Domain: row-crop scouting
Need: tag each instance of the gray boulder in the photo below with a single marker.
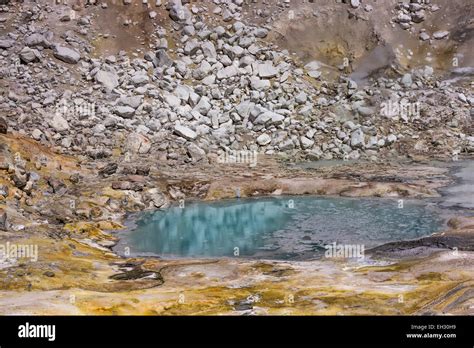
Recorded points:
(66, 54)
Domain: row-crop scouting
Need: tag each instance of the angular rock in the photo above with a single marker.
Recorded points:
(441, 34)
(4, 44)
(357, 138)
(66, 54)
(228, 72)
(138, 143)
(108, 79)
(209, 50)
(195, 152)
(28, 55)
(59, 123)
(267, 71)
(185, 132)
(124, 111)
(264, 139)
(37, 39)
(306, 143)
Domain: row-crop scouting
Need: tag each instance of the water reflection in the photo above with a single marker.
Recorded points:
(284, 227)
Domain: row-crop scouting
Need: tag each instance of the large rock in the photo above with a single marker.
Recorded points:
(59, 123)
(163, 59)
(37, 39)
(357, 138)
(124, 111)
(269, 117)
(172, 100)
(179, 13)
(138, 143)
(195, 152)
(203, 106)
(191, 47)
(66, 54)
(267, 70)
(139, 79)
(28, 55)
(228, 72)
(185, 132)
(438, 35)
(4, 43)
(264, 139)
(209, 50)
(108, 79)
(258, 84)
(306, 143)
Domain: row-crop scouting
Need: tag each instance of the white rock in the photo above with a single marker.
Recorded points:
(59, 123)
(267, 70)
(306, 143)
(438, 35)
(108, 79)
(264, 139)
(138, 143)
(185, 132)
(227, 72)
(357, 138)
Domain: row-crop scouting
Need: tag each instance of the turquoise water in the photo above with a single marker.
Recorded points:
(281, 228)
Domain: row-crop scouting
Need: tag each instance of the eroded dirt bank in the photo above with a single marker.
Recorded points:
(77, 273)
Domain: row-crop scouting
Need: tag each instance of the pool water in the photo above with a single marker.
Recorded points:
(278, 228)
